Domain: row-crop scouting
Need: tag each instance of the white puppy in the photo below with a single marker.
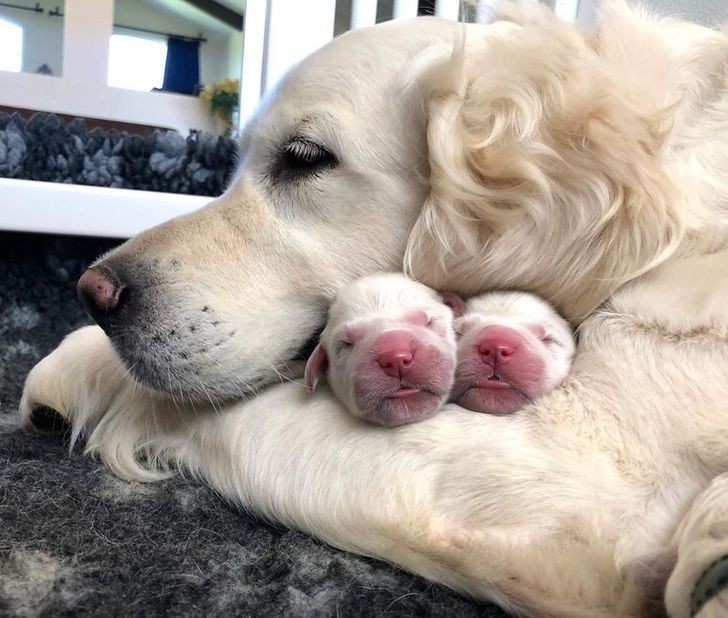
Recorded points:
(512, 348)
(389, 348)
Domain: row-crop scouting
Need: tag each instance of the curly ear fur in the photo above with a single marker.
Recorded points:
(544, 169)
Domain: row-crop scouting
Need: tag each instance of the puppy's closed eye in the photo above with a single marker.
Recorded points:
(342, 345)
(551, 340)
(544, 335)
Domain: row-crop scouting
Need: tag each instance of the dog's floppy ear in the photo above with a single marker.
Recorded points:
(316, 366)
(545, 171)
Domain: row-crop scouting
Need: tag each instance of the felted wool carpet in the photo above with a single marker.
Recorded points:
(75, 540)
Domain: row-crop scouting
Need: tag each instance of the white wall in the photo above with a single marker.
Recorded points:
(87, 28)
(293, 31)
(42, 35)
(706, 12)
(234, 56)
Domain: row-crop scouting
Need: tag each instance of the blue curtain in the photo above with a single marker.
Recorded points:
(182, 70)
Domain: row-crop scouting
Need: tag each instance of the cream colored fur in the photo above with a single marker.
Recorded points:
(589, 168)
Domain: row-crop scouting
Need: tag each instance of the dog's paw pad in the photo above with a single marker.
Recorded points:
(48, 421)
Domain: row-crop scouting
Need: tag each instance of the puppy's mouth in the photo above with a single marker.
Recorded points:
(404, 406)
(494, 384)
(407, 389)
(498, 388)
(404, 392)
(494, 381)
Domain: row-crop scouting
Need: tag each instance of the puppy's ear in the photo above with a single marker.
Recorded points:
(455, 302)
(316, 366)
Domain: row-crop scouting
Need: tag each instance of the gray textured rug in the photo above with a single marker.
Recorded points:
(50, 149)
(74, 540)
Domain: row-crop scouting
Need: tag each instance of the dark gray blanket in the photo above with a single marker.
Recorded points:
(76, 540)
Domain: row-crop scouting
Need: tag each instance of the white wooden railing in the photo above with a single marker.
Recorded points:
(278, 34)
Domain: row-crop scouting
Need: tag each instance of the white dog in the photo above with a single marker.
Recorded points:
(591, 169)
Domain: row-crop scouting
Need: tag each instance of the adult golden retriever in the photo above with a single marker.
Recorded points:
(590, 168)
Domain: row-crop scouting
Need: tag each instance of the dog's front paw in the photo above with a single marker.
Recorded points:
(83, 387)
(69, 384)
(710, 595)
(698, 585)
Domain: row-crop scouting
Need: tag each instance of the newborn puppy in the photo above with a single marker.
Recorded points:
(512, 348)
(388, 349)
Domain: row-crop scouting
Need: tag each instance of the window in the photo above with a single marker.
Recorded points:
(11, 46)
(136, 63)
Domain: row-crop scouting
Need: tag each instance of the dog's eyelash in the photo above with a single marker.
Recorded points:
(305, 151)
(302, 158)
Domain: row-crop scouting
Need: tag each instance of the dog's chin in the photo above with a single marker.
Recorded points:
(203, 378)
(183, 385)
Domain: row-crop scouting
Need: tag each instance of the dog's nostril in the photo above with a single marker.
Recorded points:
(48, 421)
(98, 293)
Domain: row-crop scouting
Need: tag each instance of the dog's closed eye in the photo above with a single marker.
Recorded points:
(301, 158)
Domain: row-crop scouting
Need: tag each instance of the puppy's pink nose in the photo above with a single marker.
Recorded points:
(395, 352)
(498, 344)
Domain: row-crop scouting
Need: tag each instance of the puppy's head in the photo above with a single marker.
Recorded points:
(512, 348)
(389, 349)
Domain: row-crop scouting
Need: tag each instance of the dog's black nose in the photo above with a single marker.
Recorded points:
(99, 294)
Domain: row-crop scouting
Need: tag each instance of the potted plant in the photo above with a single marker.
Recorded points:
(222, 97)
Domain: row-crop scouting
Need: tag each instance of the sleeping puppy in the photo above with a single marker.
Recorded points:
(388, 350)
(512, 348)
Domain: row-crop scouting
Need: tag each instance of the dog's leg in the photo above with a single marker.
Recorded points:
(78, 380)
(436, 497)
(698, 585)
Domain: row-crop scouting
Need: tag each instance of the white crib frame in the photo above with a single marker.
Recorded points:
(278, 33)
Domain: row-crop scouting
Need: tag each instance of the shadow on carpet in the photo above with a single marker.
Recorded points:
(74, 540)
